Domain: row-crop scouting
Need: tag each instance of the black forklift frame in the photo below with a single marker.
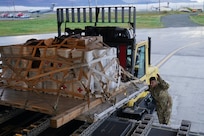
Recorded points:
(124, 14)
(111, 14)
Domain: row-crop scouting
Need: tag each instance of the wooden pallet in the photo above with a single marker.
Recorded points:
(64, 109)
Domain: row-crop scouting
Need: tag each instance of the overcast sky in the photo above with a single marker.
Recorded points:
(175, 1)
(7, 5)
(83, 2)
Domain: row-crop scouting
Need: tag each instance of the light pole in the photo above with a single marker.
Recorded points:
(159, 5)
(89, 3)
(96, 2)
(203, 5)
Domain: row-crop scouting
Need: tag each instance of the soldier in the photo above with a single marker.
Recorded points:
(158, 89)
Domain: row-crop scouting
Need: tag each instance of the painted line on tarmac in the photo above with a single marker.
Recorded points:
(170, 55)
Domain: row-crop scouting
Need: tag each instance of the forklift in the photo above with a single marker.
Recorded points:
(134, 57)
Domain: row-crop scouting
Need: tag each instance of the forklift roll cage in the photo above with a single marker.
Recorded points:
(125, 14)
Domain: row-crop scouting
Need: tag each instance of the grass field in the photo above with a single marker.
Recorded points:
(198, 19)
(43, 24)
(47, 23)
(151, 20)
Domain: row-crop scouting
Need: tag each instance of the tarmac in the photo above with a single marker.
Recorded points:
(179, 20)
(183, 70)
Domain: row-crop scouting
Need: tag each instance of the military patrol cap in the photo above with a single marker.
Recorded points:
(152, 78)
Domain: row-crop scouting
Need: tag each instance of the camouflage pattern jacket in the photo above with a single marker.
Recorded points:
(161, 95)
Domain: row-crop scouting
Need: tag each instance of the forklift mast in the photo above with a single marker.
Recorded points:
(100, 17)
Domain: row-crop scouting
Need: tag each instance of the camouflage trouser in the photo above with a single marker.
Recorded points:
(164, 113)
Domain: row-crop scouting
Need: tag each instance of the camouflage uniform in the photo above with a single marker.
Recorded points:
(163, 101)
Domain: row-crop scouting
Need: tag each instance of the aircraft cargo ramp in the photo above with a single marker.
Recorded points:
(144, 127)
(64, 78)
